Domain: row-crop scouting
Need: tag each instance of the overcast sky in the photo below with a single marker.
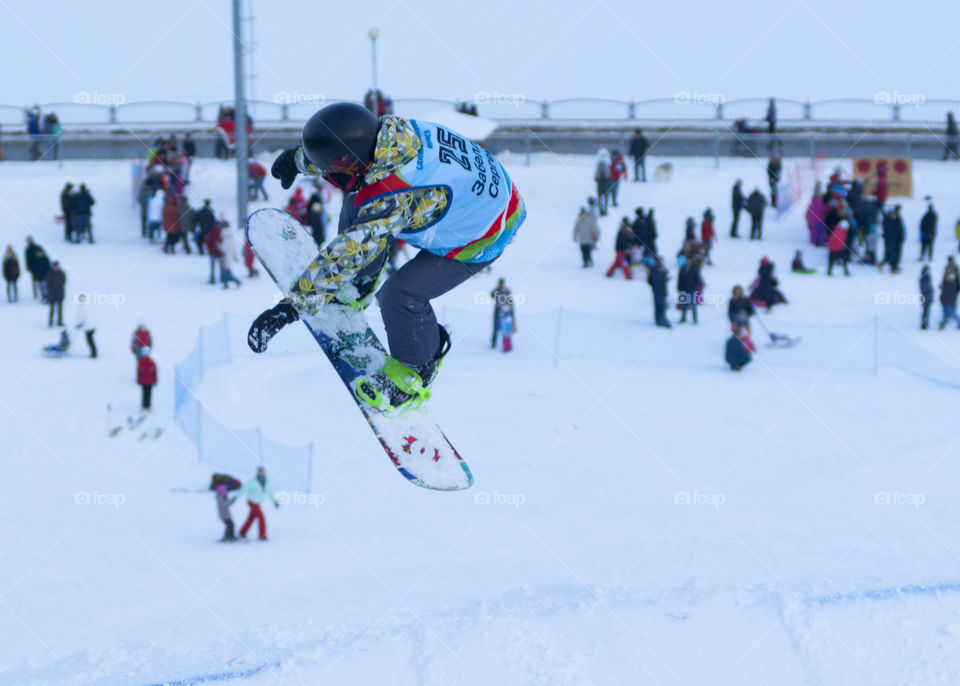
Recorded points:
(181, 49)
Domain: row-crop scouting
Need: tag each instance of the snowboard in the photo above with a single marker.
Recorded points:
(412, 440)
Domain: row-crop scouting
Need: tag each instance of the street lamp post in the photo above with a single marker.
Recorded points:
(373, 33)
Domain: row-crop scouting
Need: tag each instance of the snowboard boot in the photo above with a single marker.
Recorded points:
(399, 386)
(269, 323)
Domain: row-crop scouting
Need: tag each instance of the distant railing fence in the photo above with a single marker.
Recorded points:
(692, 107)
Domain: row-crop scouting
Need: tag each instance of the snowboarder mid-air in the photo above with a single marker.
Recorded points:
(402, 178)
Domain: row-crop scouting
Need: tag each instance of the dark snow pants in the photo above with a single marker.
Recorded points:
(404, 299)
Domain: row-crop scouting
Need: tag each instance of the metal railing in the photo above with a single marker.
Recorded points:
(683, 107)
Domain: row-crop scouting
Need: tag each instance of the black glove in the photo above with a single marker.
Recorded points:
(285, 167)
(269, 323)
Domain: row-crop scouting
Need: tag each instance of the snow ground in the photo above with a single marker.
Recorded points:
(641, 514)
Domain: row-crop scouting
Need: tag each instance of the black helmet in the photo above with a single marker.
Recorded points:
(339, 141)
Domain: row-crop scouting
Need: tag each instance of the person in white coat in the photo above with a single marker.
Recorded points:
(155, 214)
(85, 321)
(228, 255)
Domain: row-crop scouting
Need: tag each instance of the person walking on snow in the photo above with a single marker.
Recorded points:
(639, 145)
(146, 378)
(836, 244)
(928, 232)
(256, 490)
(621, 247)
(738, 202)
(756, 204)
(618, 173)
(85, 321)
(658, 284)
(586, 232)
(11, 272)
(502, 302)
(38, 264)
(223, 509)
(949, 288)
(409, 179)
(926, 296)
(56, 288)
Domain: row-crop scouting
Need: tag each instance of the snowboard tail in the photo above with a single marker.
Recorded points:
(416, 446)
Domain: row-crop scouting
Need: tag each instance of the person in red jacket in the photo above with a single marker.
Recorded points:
(146, 377)
(248, 260)
(707, 233)
(618, 173)
(141, 340)
(212, 241)
(171, 223)
(257, 173)
(836, 244)
(883, 186)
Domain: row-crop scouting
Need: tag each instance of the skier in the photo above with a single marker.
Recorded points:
(403, 178)
(255, 490)
(146, 378)
(223, 509)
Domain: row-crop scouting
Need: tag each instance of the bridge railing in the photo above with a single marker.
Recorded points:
(683, 107)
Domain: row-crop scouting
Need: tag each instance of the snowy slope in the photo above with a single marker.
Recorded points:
(576, 558)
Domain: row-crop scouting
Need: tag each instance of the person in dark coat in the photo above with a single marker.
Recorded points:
(502, 302)
(66, 196)
(622, 246)
(56, 282)
(928, 232)
(893, 237)
(171, 223)
(38, 264)
(766, 294)
(317, 218)
(949, 288)
(82, 204)
(756, 205)
(771, 117)
(926, 296)
(953, 138)
(649, 242)
(189, 147)
(639, 145)
(738, 203)
(188, 222)
(740, 309)
(774, 175)
(689, 282)
(205, 221)
(11, 272)
(739, 349)
(658, 284)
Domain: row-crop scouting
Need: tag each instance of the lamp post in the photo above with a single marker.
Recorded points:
(373, 33)
(240, 119)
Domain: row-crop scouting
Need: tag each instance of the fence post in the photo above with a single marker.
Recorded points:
(544, 110)
(806, 111)
(720, 111)
(198, 112)
(113, 114)
(284, 112)
(896, 111)
(631, 110)
(556, 344)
